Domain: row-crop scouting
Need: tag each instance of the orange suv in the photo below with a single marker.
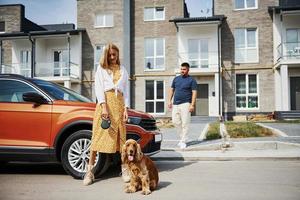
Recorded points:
(43, 121)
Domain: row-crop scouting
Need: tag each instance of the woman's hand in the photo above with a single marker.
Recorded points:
(125, 115)
(104, 113)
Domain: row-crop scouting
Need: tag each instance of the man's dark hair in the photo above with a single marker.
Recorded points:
(185, 64)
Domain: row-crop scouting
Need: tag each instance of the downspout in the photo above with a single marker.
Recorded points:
(219, 71)
(1, 56)
(69, 55)
(32, 55)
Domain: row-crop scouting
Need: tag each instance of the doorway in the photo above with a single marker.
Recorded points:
(202, 104)
(295, 93)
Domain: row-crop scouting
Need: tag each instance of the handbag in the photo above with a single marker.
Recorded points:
(105, 124)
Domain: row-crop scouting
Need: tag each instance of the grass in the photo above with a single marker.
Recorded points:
(237, 130)
(213, 131)
(246, 129)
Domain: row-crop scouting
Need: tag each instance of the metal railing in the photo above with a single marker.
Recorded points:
(200, 60)
(44, 69)
(288, 50)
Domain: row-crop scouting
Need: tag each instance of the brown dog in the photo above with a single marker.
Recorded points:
(143, 172)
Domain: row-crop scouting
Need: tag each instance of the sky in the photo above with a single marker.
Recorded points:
(65, 11)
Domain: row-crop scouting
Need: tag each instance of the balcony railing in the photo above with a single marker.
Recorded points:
(199, 60)
(43, 69)
(288, 50)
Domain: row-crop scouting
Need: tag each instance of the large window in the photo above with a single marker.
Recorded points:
(104, 20)
(293, 42)
(246, 45)
(154, 54)
(245, 4)
(97, 54)
(12, 91)
(246, 91)
(154, 13)
(198, 53)
(155, 97)
(25, 63)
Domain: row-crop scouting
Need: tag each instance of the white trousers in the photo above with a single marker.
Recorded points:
(181, 118)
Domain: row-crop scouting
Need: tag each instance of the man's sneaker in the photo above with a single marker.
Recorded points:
(182, 145)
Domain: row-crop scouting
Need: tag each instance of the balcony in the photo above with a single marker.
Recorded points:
(288, 51)
(53, 71)
(200, 63)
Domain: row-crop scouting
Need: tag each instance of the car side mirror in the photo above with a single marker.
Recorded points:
(35, 98)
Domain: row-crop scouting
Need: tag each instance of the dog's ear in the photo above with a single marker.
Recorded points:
(123, 153)
(139, 153)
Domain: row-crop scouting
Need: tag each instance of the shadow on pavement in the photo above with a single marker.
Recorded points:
(31, 168)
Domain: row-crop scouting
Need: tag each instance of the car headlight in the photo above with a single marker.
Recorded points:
(134, 120)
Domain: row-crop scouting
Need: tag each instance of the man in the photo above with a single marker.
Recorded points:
(184, 91)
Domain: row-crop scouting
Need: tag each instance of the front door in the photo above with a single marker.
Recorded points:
(295, 93)
(202, 100)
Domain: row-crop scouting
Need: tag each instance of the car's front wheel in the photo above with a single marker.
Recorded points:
(75, 155)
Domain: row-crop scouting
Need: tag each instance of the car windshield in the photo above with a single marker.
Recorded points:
(59, 92)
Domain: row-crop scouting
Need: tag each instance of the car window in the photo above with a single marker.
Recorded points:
(59, 92)
(13, 90)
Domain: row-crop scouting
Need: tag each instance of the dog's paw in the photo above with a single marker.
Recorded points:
(146, 192)
(130, 189)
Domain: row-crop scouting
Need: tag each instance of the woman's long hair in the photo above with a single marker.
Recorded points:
(104, 61)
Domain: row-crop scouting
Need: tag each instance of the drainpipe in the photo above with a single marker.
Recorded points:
(32, 40)
(1, 56)
(69, 56)
(219, 71)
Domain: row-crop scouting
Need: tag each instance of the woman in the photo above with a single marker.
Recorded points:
(111, 88)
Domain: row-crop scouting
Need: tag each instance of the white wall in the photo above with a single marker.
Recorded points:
(17, 47)
(203, 31)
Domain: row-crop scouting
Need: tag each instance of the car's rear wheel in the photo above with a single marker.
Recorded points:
(75, 155)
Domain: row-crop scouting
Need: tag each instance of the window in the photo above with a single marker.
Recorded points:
(2, 27)
(246, 91)
(104, 20)
(198, 53)
(97, 55)
(25, 63)
(246, 47)
(293, 42)
(155, 97)
(154, 13)
(245, 4)
(61, 62)
(12, 91)
(154, 54)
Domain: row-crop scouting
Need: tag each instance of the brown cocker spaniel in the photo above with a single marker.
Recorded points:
(143, 172)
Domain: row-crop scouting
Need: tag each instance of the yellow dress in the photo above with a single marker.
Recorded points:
(112, 139)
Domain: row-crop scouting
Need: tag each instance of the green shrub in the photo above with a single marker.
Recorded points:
(213, 131)
(246, 129)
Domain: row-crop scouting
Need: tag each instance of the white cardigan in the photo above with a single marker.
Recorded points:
(104, 82)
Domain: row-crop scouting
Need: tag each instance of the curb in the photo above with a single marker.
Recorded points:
(227, 155)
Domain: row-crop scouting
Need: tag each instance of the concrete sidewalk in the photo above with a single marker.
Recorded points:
(281, 147)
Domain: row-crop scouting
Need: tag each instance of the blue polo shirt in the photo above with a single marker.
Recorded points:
(183, 86)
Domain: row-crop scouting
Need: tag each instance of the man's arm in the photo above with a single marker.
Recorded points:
(171, 94)
(194, 95)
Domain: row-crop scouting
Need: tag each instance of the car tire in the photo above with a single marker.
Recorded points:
(75, 155)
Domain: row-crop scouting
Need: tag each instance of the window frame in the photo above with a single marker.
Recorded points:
(155, 100)
(246, 48)
(245, 8)
(104, 15)
(199, 53)
(247, 94)
(3, 26)
(154, 14)
(96, 63)
(155, 55)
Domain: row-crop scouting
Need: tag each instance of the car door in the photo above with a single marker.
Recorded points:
(22, 123)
